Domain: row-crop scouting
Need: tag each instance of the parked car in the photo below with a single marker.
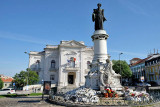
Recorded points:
(143, 84)
(6, 91)
(153, 83)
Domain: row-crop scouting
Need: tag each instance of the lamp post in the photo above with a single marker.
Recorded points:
(42, 82)
(120, 66)
(27, 71)
(42, 89)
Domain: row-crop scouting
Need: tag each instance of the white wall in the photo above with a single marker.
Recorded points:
(61, 54)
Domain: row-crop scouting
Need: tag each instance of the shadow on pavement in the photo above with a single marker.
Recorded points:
(22, 96)
(34, 101)
(29, 101)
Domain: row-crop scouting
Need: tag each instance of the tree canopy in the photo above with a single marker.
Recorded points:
(20, 79)
(1, 83)
(125, 69)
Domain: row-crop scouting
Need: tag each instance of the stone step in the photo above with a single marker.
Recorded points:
(67, 88)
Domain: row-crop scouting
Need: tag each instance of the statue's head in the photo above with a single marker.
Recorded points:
(107, 60)
(99, 5)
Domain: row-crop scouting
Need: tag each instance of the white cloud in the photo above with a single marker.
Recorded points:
(134, 7)
(129, 53)
(24, 38)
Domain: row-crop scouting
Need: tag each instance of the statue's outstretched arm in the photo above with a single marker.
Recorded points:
(104, 19)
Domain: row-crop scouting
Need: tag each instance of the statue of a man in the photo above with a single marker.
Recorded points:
(98, 17)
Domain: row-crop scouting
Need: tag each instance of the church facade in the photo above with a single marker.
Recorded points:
(65, 64)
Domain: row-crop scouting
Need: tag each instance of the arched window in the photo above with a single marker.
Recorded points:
(38, 63)
(88, 64)
(53, 64)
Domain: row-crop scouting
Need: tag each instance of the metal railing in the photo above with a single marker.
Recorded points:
(36, 69)
(53, 69)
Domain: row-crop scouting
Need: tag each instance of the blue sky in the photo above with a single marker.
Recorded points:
(28, 25)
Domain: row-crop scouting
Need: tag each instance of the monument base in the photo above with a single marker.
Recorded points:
(102, 75)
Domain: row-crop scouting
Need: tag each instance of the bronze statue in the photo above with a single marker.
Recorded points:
(98, 17)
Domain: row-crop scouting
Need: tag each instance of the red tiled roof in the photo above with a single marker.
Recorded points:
(7, 79)
(136, 59)
(140, 61)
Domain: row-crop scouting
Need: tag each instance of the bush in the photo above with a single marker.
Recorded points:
(1, 83)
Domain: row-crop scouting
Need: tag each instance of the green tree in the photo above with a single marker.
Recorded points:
(1, 83)
(20, 79)
(33, 77)
(125, 69)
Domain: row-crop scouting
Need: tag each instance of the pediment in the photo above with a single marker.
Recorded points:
(70, 53)
(72, 43)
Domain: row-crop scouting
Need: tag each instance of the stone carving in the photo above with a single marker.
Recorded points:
(70, 53)
(105, 75)
(98, 17)
(72, 43)
(113, 78)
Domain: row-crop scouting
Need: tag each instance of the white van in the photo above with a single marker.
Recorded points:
(6, 91)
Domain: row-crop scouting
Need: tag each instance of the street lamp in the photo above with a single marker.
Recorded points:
(42, 87)
(27, 71)
(120, 66)
(42, 82)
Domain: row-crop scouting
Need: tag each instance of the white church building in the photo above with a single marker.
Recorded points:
(65, 64)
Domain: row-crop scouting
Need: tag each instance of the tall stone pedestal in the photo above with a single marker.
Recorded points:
(100, 46)
(101, 73)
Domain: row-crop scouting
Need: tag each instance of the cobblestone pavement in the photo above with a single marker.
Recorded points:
(36, 101)
(26, 101)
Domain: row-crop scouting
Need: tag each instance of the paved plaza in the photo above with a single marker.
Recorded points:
(26, 101)
(36, 101)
